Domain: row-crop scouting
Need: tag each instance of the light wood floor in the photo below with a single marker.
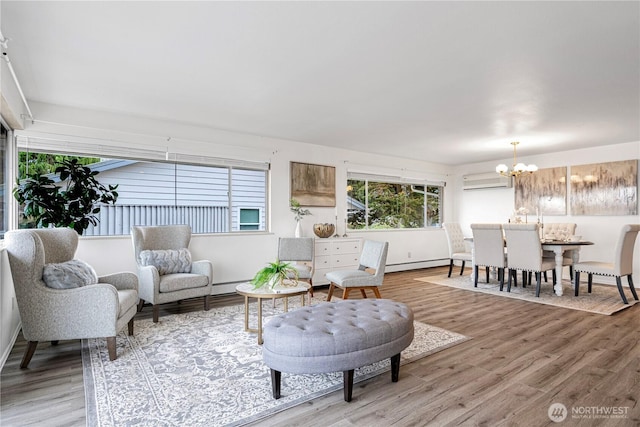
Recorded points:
(522, 358)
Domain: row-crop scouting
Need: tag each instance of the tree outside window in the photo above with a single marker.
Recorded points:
(376, 205)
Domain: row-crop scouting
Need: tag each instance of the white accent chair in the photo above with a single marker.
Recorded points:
(622, 264)
(373, 257)
(524, 252)
(160, 289)
(457, 248)
(93, 311)
(300, 250)
(488, 244)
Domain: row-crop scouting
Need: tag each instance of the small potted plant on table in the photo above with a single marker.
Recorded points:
(274, 274)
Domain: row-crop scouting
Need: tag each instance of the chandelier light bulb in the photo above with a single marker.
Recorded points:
(518, 167)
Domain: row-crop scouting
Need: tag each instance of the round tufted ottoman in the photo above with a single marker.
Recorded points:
(337, 336)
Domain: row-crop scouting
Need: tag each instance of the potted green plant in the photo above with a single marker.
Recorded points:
(275, 273)
(72, 204)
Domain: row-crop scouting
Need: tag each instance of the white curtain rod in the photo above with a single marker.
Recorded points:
(5, 55)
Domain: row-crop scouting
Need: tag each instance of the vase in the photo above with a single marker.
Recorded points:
(298, 229)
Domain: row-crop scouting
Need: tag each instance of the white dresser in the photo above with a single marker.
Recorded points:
(335, 253)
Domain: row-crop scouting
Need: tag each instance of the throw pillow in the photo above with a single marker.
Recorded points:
(168, 261)
(70, 274)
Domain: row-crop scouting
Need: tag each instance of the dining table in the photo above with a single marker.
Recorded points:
(559, 247)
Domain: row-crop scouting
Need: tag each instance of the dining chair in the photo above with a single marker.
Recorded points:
(369, 274)
(565, 229)
(488, 243)
(300, 250)
(524, 252)
(622, 264)
(457, 248)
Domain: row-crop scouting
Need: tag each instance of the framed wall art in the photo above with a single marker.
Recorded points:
(313, 185)
(605, 188)
(543, 192)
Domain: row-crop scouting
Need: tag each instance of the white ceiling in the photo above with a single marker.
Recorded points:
(448, 82)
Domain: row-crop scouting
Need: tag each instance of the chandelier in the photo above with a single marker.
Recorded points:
(518, 168)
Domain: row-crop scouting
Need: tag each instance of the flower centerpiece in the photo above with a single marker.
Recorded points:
(299, 213)
(275, 273)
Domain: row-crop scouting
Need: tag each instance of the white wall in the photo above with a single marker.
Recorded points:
(496, 205)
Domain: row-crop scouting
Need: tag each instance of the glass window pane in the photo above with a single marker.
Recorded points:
(387, 205)
(161, 193)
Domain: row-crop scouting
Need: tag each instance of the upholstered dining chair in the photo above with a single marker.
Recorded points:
(300, 250)
(373, 257)
(622, 264)
(556, 229)
(457, 248)
(488, 246)
(524, 252)
(60, 298)
(165, 269)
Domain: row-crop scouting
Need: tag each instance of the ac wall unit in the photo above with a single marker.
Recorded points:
(485, 180)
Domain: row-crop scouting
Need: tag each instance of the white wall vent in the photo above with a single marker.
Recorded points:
(485, 180)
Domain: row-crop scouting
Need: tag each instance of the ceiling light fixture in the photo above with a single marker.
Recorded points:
(518, 168)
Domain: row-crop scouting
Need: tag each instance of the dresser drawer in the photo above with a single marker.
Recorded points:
(321, 262)
(344, 260)
(351, 247)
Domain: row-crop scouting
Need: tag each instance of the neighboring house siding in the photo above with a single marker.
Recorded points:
(147, 196)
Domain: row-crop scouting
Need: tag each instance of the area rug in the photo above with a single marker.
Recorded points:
(603, 299)
(202, 369)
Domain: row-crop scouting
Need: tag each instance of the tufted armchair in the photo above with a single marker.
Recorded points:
(97, 310)
(158, 286)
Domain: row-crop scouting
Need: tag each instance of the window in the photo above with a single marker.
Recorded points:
(207, 197)
(249, 219)
(376, 203)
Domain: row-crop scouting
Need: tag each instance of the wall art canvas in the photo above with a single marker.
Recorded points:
(543, 192)
(605, 188)
(313, 185)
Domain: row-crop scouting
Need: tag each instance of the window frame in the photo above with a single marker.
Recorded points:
(72, 147)
(396, 180)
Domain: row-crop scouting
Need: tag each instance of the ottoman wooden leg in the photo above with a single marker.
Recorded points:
(275, 383)
(395, 367)
(348, 385)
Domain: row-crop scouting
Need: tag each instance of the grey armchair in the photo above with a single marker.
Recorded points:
(156, 288)
(94, 311)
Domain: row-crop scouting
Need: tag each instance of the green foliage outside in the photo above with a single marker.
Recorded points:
(393, 206)
(44, 163)
(73, 202)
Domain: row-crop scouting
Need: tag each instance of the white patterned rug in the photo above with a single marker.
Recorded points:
(202, 369)
(603, 299)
